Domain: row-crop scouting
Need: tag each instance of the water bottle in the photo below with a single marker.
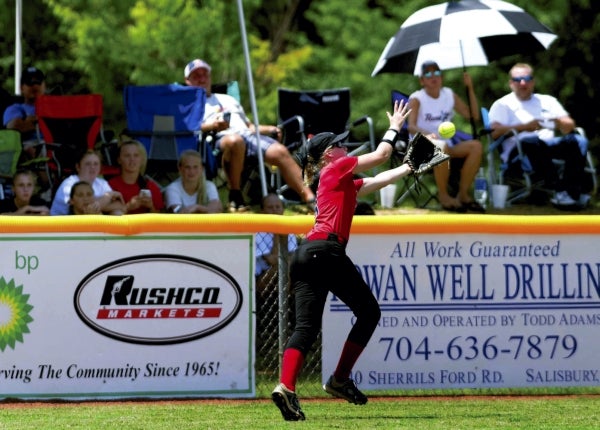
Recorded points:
(481, 188)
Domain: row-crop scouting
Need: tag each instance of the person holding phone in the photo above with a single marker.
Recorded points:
(141, 193)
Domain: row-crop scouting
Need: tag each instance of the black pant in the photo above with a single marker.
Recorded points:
(540, 156)
(318, 267)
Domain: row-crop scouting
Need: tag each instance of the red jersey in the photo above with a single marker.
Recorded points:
(336, 198)
(130, 190)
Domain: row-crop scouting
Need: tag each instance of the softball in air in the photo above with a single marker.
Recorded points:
(446, 130)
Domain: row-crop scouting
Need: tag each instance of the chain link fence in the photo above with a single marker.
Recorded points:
(274, 322)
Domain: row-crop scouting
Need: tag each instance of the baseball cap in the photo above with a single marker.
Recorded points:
(32, 75)
(195, 64)
(428, 65)
(320, 142)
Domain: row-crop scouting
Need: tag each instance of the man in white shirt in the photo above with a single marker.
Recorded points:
(536, 117)
(236, 138)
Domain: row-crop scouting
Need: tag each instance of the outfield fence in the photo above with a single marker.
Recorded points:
(560, 253)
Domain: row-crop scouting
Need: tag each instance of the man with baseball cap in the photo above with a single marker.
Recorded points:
(235, 137)
(21, 116)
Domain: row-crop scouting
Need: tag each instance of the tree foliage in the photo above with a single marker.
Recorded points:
(101, 46)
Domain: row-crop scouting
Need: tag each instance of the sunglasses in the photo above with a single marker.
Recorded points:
(432, 74)
(518, 79)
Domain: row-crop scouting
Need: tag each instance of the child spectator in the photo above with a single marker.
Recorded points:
(24, 201)
(82, 200)
(192, 192)
(267, 248)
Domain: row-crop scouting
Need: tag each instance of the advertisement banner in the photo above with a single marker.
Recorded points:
(474, 311)
(103, 316)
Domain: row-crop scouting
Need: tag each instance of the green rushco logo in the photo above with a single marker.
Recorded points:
(14, 314)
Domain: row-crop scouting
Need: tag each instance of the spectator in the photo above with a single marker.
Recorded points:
(267, 275)
(24, 201)
(192, 192)
(432, 105)
(536, 117)
(21, 116)
(82, 200)
(236, 138)
(140, 193)
(267, 247)
(88, 169)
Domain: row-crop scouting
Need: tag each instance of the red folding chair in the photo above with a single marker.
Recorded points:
(67, 127)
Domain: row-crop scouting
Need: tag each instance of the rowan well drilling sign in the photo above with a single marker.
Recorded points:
(475, 311)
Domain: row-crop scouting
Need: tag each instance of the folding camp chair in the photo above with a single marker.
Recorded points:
(166, 119)
(518, 173)
(304, 113)
(10, 151)
(230, 87)
(67, 127)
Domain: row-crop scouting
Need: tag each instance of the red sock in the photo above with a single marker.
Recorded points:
(290, 367)
(350, 354)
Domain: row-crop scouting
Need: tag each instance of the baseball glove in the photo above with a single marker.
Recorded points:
(422, 155)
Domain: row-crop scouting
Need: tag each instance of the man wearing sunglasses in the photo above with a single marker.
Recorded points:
(536, 118)
(21, 116)
(432, 105)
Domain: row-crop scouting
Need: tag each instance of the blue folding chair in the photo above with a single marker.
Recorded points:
(167, 119)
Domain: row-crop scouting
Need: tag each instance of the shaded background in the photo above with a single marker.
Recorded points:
(101, 46)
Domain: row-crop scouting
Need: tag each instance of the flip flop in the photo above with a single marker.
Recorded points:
(473, 206)
(458, 209)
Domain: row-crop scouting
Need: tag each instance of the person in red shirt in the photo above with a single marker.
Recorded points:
(141, 193)
(320, 264)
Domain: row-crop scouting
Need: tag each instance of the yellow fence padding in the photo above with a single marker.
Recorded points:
(299, 224)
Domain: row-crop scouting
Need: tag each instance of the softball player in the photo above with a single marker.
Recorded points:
(320, 264)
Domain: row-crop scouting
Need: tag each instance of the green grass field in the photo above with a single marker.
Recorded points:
(459, 412)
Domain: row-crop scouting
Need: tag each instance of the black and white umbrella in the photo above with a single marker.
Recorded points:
(463, 33)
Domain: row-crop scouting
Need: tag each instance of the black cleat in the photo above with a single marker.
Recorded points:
(288, 403)
(345, 390)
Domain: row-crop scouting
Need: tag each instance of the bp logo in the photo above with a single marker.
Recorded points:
(14, 313)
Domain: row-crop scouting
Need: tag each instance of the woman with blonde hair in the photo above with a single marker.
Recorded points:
(141, 193)
(192, 192)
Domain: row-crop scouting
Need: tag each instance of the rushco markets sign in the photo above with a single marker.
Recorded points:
(163, 315)
(121, 300)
